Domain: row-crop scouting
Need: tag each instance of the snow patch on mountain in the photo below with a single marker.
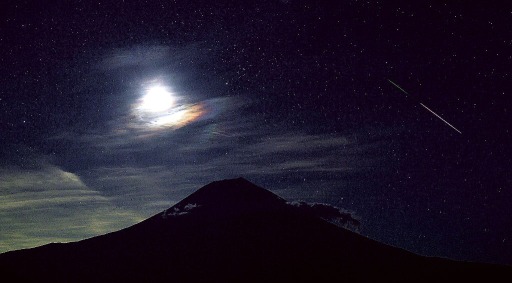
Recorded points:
(177, 211)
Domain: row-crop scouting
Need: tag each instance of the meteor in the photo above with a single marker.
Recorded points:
(440, 118)
(397, 86)
(428, 109)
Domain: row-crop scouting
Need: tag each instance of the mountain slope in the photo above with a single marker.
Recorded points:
(234, 231)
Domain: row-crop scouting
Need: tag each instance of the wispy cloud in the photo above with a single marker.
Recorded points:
(177, 168)
(135, 56)
(48, 204)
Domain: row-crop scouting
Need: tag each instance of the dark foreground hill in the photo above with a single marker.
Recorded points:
(234, 231)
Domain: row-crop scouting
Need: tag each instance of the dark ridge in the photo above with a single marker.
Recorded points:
(235, 231)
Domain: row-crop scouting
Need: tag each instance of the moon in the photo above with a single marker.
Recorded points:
(159, 108)
(157, 99)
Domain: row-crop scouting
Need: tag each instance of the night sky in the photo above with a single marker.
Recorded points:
(113, 112)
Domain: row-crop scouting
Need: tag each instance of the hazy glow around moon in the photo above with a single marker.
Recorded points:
(180, 118)
(159, 109)
(157, 99)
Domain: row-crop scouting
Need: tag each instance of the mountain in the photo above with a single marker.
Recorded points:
(235, 231)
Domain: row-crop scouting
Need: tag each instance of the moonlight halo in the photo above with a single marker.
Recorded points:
(160, 108)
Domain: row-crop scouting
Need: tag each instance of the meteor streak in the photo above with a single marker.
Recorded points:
(397, 86)
(424, 106)
(440, 118)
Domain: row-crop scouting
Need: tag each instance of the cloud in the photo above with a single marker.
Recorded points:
(47, 204)
(335, 215)
(135, 56)
(169, 169)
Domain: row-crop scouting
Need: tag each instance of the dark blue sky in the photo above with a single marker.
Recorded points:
(292, 95)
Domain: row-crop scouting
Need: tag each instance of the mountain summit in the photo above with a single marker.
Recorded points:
(235, 195)
(234, 231)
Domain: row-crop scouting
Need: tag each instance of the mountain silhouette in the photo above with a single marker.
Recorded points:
(235, 231)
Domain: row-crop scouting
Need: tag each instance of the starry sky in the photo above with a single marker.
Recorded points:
(111, 112)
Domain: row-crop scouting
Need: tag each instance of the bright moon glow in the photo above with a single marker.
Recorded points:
(157, 99)
(160, 109)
